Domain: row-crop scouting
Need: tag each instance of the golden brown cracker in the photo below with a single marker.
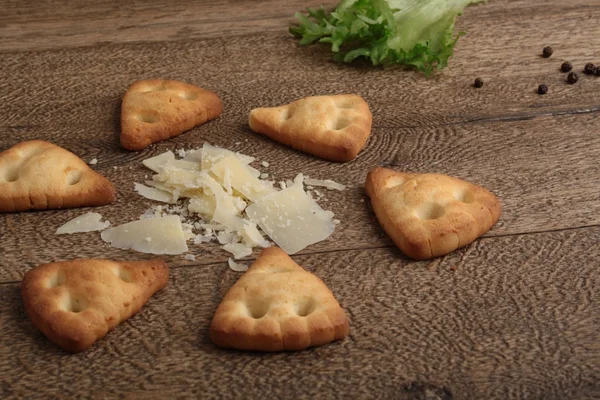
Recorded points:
(40, 175)
(333, 127)
(75, 303)
(278, 305)
(155, 110)
(429, 215)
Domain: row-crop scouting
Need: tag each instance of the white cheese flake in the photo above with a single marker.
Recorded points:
(225, 210)
(237, 267)
(239, 177)
(203, 204)
(154, 193)
(253, 171)
(309, 223)
(210, 155)
(88, 222)
(225, 237)
(156, 163)
(94, 161)
(203, 239)
(327, 183)
(252, 236)
(178, 177)
(194, 156)
(239, 250)
(185, 165)
(162, 235)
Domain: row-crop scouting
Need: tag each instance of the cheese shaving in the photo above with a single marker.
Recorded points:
(154, 193)
(327, 183)
(88, 222)
(210, 155)
(291, 218)
(231, 171)
(237, 267)
(156, 163)
(238, 250)
(158, 235)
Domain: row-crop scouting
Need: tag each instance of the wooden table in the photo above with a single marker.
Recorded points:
(513, 315)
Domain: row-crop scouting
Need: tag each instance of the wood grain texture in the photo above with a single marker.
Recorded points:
(544, 170)
(57, 24)
(78, 107)
(65, 85)
(513, 315)
(486, 322)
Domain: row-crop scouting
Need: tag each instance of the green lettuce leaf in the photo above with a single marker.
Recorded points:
(416, 33)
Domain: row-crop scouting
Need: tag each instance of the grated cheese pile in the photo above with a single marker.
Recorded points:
(217, 196)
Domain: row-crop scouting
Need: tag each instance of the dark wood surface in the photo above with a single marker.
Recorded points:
(513, 315)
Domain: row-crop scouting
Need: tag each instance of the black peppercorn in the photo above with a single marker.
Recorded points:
(547, 52)
(590, 69)
(566, 67)
(572, 78)
(597, 71)
(478, 83)
(542, 89)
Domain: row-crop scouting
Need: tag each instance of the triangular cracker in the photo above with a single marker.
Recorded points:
(75, 303)
(155, 110)
(335, 128)
(429, 215)
(39, 175)
(277, 305)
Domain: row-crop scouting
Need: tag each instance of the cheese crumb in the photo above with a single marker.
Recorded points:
(190, 257)
(94, 161)
(265, 164)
